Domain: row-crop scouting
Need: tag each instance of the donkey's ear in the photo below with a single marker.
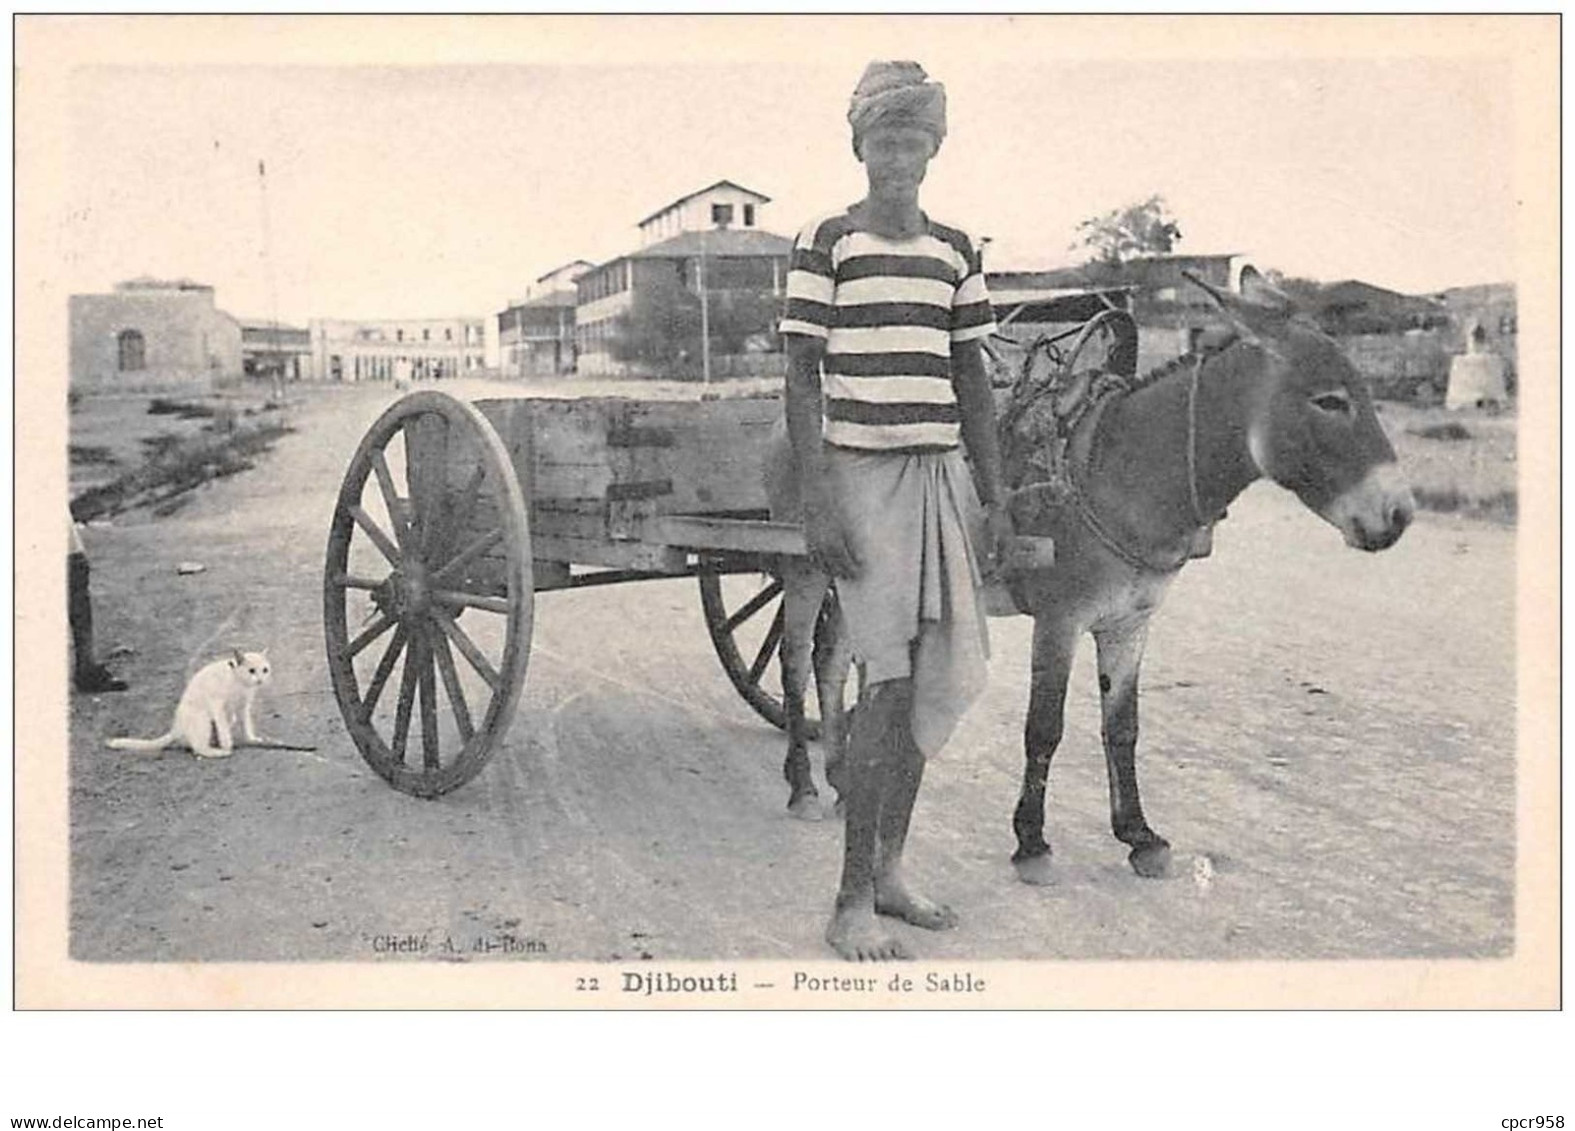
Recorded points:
(1262, 310)
(1260, 292)
(237, 658)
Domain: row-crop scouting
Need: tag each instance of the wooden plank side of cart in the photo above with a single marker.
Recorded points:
(631, 484)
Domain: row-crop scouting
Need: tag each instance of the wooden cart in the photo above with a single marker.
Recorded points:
(454, 514)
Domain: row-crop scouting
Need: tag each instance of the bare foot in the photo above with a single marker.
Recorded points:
(896, 900)
(855, 934)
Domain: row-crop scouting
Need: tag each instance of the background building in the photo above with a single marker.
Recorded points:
(404, 349)
(269, 349)
(536, 333)
(1408, 345)
(1403, 344)
(1353, 307)
(705, 263)
(1172, 312)
(150, 333)
(722, 205)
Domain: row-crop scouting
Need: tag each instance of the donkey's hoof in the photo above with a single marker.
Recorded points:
(1151, 860)
(805, 805)
(1036, 870)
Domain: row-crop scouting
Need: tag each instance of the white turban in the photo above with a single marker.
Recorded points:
(897, 93)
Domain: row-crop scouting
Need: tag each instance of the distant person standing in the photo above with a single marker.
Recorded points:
(886, 313)
(87, 673)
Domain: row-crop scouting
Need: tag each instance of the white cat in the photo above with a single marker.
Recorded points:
(218, 695)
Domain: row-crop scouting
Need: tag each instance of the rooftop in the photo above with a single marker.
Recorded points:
(263, 325)
(583, 264)
(149, 283)
(759, 196)
(1356, 291)
(716, 242)
(563, 296)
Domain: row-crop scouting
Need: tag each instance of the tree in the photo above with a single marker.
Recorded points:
(1143, 228)
(743, 319)
(661, 331)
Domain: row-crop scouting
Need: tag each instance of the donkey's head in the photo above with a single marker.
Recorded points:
(1311, 425)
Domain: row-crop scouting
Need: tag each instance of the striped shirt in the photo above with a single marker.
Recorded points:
(888, 311)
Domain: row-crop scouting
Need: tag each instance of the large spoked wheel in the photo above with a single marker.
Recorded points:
(428, 585)
(744, 615)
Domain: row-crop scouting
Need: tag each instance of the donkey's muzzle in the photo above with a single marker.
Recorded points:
(1373, 514)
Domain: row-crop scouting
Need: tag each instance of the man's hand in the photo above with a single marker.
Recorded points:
(826, 535)
(997, 539)
(825, 531)
(977, 404)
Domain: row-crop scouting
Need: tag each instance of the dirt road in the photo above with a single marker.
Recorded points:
(1332, 731)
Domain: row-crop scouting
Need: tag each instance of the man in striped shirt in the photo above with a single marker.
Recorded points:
(886, 313)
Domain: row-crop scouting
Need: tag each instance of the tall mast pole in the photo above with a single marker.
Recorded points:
(276, 365)
(705, 319)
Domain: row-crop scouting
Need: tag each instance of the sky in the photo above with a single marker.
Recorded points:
(442, 190)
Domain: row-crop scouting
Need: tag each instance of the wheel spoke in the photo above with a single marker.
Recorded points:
(383, 623)
(469, 554)
(375, 533)
(415, 473)
(385, 668)
(407, 696)
(435, 478)
(464, 508)
(768, 647)
(429, 716)
(391, 499)
(456, 691)
(752, 606)
(468, 649)
(426, 449)
(472, 600)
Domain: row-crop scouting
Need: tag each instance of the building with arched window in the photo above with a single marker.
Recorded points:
(150, 333)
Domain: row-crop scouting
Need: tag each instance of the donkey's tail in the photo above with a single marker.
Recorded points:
(141, 743)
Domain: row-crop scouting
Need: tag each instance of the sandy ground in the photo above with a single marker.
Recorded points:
(1332, 731)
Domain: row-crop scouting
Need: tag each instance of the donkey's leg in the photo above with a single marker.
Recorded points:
(833, 658)
(1054, 643)
(1120, 659)
(803, 589)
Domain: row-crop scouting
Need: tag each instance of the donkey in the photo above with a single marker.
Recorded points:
(1153, 471)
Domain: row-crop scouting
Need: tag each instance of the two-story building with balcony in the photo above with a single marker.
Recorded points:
(536, 333)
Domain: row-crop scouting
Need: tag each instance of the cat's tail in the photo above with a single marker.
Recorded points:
(141, 743)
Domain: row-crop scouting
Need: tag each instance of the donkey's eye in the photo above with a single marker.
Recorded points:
(1336, 402)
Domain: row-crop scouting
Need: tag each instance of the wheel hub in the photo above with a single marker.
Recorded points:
(415, 589)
